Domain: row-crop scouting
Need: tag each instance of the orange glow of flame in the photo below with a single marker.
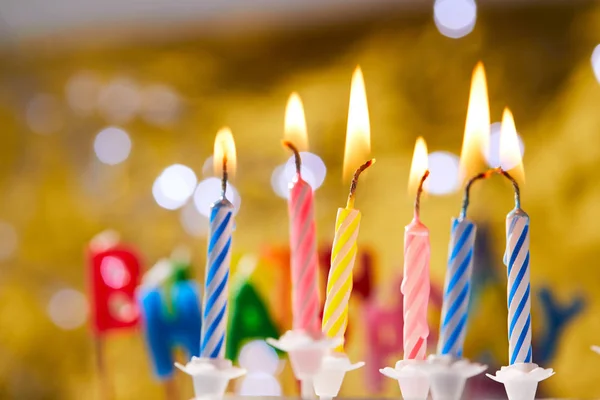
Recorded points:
(477, 129)
(224, 148)
(358, 133)
(295, 123)
(510, 151)
(418, 165)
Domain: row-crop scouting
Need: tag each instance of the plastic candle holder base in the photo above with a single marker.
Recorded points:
(328, 381)
(306, 354)
(448, 375)
(210, 376)
(412, 378)
(520, 380)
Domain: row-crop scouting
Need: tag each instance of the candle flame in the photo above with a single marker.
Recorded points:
(358, 133)
(418, 166)
(477, 128)
(510, 151)
(224, 150)
(295, 123)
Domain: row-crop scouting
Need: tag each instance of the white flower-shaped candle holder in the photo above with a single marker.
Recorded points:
(306, 355)
(521, 379)
(412, 378)
(328, 381)
(448, 375)
(210, 376)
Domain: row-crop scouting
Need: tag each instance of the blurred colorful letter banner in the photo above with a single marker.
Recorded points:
(171, 317)
(114, 275)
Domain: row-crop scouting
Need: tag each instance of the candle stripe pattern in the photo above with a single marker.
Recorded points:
(415, 289)
(214, 319)
(519, 292)
(339, 281)
(305, 267)
(457, 288)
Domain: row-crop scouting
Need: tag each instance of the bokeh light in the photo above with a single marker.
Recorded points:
(176, 184)
(82, 91)
(8, 241)
(443, 173)
(193, 223)
(262, 364)
(161, 199)
(209, 191)
(259, 384)
(112, 145)
(119, 101)
(313, 169)
(258, 356)
(68, 309)
(160, 104)
(596, 62)
(44, 114)
(279, 182)
(455, 18)
(493, 156)
(114, 272)
(121, 307)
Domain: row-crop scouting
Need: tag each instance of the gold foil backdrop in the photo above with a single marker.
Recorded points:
(57, 195)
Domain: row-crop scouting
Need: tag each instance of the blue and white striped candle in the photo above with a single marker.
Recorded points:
(457, 289)
(214, 318)
(516, 259)
(216, 279)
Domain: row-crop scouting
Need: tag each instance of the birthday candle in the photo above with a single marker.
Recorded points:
(305, 301)
(457, 288)
(303, 239)
(415, 283)
(305, 291)
(343, 252)
(415, 288)
(519, 296)
(516, 257)
(214, 321)
(343, 255)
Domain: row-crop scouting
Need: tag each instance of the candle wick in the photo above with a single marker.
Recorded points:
(470, 182)
(297, 158)
(351, 195)
(485, 175)
(419, 193)
(224, 179)
(515, 186)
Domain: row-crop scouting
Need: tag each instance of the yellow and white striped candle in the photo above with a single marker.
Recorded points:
(343, 256)
(339, 282)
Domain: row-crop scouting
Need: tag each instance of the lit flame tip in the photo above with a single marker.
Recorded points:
(419, 165)
(358, 132)
(295, 123)
(224, 151)
(357, 74)
(477, 127)
(479, 67)
(510, 150)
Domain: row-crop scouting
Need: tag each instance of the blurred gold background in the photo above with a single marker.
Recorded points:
(57, 195)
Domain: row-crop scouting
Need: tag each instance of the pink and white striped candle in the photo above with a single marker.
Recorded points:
(304, 260)
(415, 283)
(415, 288)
